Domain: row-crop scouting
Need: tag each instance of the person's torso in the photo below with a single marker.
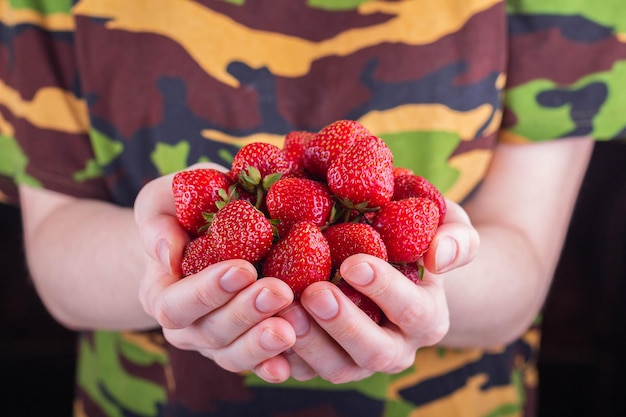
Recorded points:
(194, 81)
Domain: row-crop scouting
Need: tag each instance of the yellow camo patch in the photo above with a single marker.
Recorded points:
(6, 128)
(428, 364)
(472, 165)
(193, 26)
(508, 136)
(51, 108)
(470, 401)
(60, 22)
(222, 137)
(428, 117)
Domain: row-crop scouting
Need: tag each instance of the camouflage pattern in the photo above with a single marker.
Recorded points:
(99, 97)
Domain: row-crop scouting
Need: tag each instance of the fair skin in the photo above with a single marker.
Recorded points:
(475, 293)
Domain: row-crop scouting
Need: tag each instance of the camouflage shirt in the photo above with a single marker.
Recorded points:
(99, 97)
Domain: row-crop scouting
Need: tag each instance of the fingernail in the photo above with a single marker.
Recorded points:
(446, 252)
(163, 252)
(235, 279)
(269, 301)
(361, 273)
(270, 340)
(323, 304)
(298, 319)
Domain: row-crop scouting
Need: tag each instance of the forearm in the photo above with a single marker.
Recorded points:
(86, 261)
(496, 297)
(522, 212)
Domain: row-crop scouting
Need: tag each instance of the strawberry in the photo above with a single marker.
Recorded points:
(365, 303)
(413, 271)
(293, 149)
(329, 142)
(412, 185)
(291, 200)
(198, 254)
(346, 239)
(265, 157)
(256, 166)
(197, 191)
(398, 171)
(241, 231)
(301, 258)
(363, 174)
(407, 227)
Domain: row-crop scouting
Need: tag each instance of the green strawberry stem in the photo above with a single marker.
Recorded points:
(336, 278)
(259, 198)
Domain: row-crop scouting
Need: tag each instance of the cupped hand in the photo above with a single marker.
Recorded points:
(340, 343)
(223, 312)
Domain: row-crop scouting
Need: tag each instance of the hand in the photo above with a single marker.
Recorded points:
(455, 244)
(223, 312)
(338, 342)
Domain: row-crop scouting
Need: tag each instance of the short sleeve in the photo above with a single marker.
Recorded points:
(44, 127)
(566, 70)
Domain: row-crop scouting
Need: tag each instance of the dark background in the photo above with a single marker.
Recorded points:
(582, 365)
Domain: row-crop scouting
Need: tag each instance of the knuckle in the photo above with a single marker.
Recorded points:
(209, 336)
(304, 375)
(402, 364)
(437, 333)
(226, 362)
(177, 339)
(412, 314)
(339, 375)
(165, 315)
(204, 296)
(383, 289)
(382, 360)
(241, 319)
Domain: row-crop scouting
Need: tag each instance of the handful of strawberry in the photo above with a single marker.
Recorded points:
(299, 211)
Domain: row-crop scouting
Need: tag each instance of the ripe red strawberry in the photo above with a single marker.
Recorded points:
(293, 148)
(406, 186)
(301, 258)
(329, 142)
(256, 166)
(196, 191)
(198, 254)
(265, 157)
(363, 174)
(347, 239)
(398, 171)
(407, 227)
(365, 303)
(292, 200)
(241, 231)
(413, 271)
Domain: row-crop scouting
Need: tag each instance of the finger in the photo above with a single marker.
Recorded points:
(317, 353)
(300, 370)
(262, 299)
(372, 347)
(420, 312)
(264, 341)
(151, 286)
(162, 236)
(155, 215)
(455, 244)
(177, 303)
(253, 349)
(301, 323)
(274, 370)
(160, 191)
